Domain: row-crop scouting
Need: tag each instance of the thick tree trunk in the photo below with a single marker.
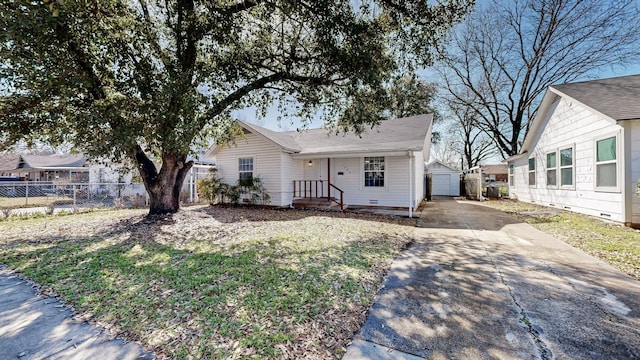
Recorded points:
(163, 186)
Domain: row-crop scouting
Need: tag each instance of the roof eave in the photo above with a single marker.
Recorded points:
(354, 153)
(516, 157)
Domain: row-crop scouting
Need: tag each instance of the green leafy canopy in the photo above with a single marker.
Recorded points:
(130, 79)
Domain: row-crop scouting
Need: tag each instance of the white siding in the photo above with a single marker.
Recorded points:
(292, 169)
(570, 125)
(418, 175)
(267, 162)
(454, 178)
(395, 193)
(634, 127)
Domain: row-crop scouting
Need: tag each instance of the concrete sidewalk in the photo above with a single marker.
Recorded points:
(39, 327)
(478, 284)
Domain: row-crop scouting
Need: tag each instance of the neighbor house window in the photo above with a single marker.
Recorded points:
(566, 167)
(532, 171)
(511, 176)
(606, 163)
(374, 171)
(245, 169)
(552, 170)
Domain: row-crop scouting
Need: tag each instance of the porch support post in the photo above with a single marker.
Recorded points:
(329, 177)
(410, 183)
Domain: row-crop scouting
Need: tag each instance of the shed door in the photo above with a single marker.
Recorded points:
(441, 184)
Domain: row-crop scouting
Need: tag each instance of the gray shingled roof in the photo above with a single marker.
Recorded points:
(285, 140)
(10, 162)
(49, 161)
(617, 98)
(392, 135)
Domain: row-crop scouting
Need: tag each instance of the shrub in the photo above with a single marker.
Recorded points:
(250, 190)
(6, 212)
(214, 190)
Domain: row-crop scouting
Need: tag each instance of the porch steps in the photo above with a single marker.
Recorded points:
(316, 203)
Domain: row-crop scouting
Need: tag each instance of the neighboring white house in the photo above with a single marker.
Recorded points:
(45, 167)
(445, 180)
(582, 152)
(383, 166)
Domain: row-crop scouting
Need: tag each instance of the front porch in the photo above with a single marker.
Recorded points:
(317, 194)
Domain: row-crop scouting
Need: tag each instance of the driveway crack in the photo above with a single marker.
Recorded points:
(543, 350)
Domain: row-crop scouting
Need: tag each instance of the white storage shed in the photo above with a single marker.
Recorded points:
(445, 180)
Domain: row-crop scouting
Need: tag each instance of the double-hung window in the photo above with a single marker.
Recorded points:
(511, 176)
(607, 163)
(552, 170)
(532, 171)
(245, 170)
(566, 167)
(374, 171)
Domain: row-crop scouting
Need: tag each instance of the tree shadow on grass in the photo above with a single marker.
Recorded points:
(183, 301)
(230, 214)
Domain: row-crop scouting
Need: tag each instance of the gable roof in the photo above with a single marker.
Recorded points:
(283, 139)
(402, 134)
(441, 164)
(614, 98)
(10, 162)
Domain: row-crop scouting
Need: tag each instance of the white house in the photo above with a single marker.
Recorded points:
(383, 166)
(45, 167)
(445, 180)
(582, 152)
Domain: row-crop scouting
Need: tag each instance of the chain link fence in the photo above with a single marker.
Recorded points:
(46, 194)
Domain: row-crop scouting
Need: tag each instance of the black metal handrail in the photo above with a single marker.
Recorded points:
(308, 189)
(341, 203)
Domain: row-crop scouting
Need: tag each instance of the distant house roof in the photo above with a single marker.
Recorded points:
(616, 99)
(494, 169)
(16, 162)
(402, 134)
(9, 162)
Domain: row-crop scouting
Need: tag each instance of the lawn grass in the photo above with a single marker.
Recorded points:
(613, 243)
(18, 202)
(215, 283)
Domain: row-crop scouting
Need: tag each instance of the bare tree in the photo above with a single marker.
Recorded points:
(508, 52)
(474, 144)
(447, 150)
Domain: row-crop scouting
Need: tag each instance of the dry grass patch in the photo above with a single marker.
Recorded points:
(613, 243)
(214, 282)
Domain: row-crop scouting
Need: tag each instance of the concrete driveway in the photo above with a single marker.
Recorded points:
(478, 284)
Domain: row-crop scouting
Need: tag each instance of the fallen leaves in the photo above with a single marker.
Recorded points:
(215, 282)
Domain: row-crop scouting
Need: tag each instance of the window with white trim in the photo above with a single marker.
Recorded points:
(606, 163)
(552, 169)
(532, 171)
(511, 176)
(566, 167)
(374, 171)
(245, 169)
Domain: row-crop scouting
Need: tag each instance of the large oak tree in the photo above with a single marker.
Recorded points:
(144, 80)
